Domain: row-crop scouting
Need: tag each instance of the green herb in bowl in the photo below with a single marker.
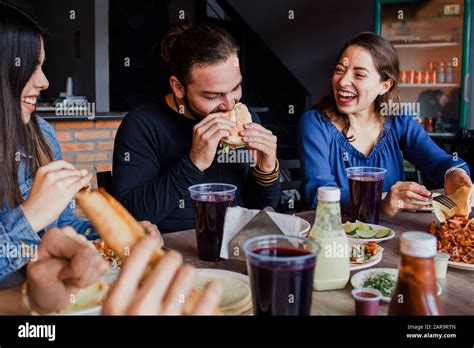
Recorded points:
(384, 282)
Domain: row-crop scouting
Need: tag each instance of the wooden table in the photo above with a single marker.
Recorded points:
(458, 287)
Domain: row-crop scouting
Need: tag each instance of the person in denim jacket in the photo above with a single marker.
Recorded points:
(36, 185)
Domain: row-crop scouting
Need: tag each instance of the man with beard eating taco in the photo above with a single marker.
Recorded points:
(165, 146)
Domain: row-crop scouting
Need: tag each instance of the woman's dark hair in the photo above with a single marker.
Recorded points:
(20, 48)
(387, 64)
(184, 47)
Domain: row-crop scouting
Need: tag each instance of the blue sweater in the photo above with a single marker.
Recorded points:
(326, 153)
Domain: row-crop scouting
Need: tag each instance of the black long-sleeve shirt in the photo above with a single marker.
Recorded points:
(152, 170)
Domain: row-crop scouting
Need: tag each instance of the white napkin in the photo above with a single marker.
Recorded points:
(237, 217)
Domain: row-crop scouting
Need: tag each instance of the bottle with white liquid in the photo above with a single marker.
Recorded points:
(332, 265)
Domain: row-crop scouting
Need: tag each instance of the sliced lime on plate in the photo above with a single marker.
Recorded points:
(383, 233)
(366, 233)
(363, 227)
(350, 228)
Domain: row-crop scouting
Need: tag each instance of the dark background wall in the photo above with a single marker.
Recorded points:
(309, 43)
(285, 61)
(69, 45)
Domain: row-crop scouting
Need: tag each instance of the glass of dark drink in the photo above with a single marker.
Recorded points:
(365, 190)
(367, 301)
(210, 202)
(281, 270)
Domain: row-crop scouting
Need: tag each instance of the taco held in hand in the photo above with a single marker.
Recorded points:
(120, 231)
(239, 115)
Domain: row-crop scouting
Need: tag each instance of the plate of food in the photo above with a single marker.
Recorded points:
(365, 255)
(236, 296)
(382, 279)
(357, 231)
(305, 226)
(456, 237)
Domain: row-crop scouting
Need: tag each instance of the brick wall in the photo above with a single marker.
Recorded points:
(87, 144)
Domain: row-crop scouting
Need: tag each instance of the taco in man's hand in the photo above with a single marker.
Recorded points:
(239, 115)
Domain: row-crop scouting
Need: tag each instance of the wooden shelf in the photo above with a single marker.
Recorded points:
(431, 85)
(427, 44)
(442, 135)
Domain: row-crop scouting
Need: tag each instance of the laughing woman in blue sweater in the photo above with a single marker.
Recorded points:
(356, 127)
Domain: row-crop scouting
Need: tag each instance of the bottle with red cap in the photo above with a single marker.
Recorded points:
(416, 292)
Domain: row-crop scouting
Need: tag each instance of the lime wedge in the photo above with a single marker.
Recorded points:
(350, 228)
(383, 233)
(363, 227)
(366, 233)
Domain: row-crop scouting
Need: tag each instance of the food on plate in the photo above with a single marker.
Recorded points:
(119, 229)
(384, 282)
(463, 207)
(456, 238)
(240, 115)
(107, 253)
(350, 227)
(360, 230)
(236, 296)
(362, 253)
(383, 233)
(365, 234)
(92, 296)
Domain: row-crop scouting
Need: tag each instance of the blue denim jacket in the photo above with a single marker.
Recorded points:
(16, 231)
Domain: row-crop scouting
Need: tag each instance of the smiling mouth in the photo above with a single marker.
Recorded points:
(29, 100)
(346, 96)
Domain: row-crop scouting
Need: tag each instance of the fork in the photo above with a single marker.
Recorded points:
(445, 200)
(441, 199)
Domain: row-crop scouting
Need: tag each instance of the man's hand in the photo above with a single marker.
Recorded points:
(206, 136)
(264, 142)
(66, 262)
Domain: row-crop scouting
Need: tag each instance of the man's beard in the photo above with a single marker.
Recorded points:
(188, 106)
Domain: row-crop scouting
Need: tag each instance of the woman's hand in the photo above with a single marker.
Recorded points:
(455, 180)
(163, 291)
(53, 187)
(65, 263)
(400, 196)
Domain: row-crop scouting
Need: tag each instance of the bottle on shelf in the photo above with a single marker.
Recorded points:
(426, 77)
(449, 74)
(411, 76)
(418, 77)
(441, 74)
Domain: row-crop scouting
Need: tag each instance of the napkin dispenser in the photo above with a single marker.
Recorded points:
(261, 224)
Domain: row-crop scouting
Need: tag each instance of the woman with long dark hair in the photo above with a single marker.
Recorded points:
(36, 188)
(360, 125)
(36, 185)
